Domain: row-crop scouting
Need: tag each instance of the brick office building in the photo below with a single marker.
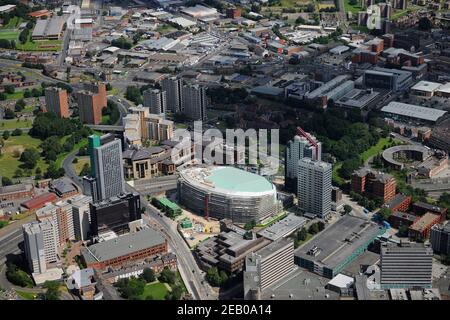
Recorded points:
(124, 250)
(374, 184)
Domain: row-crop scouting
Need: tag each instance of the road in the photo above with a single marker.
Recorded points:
(156, 185)
(189, 270)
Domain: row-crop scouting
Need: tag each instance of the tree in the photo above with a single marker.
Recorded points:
(347, 209)
(353, 2)
(10, 89)
(6, 135)
(6, 181)
(250, 225)
(52, 292)
(213, 276)
(20, 105)
(18, 173)
(18, 277)
(384, 213)
(148, 275)
(29, 157)
(85, 171)
(314, 228)
(17, 132)
(167, 276)
(425, 24)
(130, 288)
(403, 230)
(9, 114)
(302, 234)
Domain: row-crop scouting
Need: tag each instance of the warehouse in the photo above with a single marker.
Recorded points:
(50, 29)
(332, 250)
(407, 112)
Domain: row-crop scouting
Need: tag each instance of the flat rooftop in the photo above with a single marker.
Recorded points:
(413, 111)
(337, 242)
(122, 245)
(283, 227)
(300, 285)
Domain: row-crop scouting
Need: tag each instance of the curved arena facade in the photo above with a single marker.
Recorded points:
(227, 192)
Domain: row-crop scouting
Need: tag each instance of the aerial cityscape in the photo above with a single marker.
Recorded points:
(234, 150)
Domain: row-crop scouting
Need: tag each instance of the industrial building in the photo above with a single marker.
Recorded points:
(409, 112)
(358, 99)
(267, 266)
(332, 250)
(123, 250)
(406, 265)
(226, 192)
(51, 29)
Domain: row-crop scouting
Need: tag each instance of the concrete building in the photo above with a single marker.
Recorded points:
(332, 250)
(298, 148)
(173, 87)
(81, 216)
(314, 187)
(227, 192)
(440, 238)
(391, 79)
(195, 102)
(124, 250)
(267, 266)
(106, 167)
(156, 101)
(227, 251)
(406, 265)
(91, 102)
(41, 248)
(283, 228)
(159, 129)
(56, 101)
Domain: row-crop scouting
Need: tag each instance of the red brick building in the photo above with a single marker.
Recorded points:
(399, 202)
(374, 184)
(421, 228)
(398, 219)
(16, 191)
(124, 250)
(421, 208)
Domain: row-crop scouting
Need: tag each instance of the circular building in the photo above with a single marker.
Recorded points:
(398, 157)
(227, 192)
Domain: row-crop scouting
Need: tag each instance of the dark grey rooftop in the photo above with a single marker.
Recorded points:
(337, 242)
(122, 245)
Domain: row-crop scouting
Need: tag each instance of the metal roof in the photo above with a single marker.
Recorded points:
(413, 111)
(122, 246)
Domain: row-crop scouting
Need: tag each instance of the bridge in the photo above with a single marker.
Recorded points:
(104, 127)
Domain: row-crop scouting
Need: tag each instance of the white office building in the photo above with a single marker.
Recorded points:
(314, 187)
(41, 246)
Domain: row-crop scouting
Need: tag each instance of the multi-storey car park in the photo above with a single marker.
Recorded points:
(227, 192)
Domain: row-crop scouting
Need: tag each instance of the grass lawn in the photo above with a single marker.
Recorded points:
(26, 295)
(80, 164)
(354, 9)
(9, 34)
(105, 119)
(165, 28)
(9, 163)
(157, 290)
(13, 23)
(14, 96)
(39, 45)
(336, 176)
(63, 155)
(14, 124)
(374, 150)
